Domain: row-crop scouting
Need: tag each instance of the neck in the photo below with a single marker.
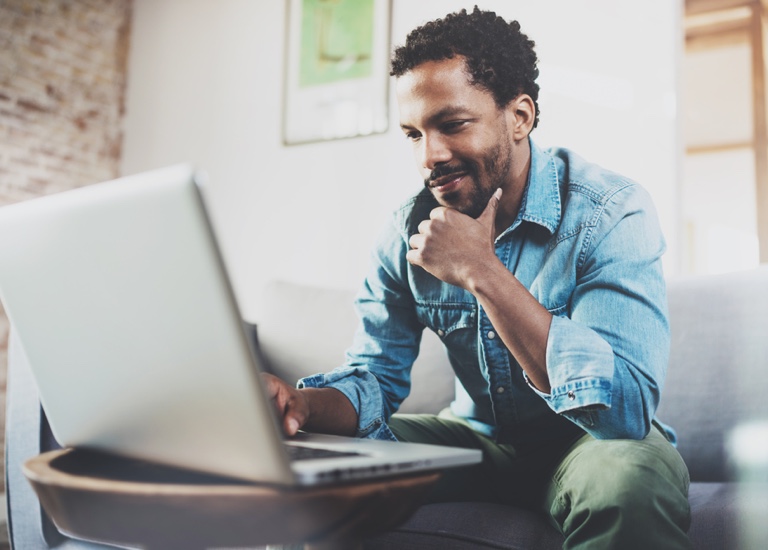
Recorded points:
(512, 196)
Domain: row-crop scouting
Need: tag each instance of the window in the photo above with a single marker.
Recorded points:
(725, 182)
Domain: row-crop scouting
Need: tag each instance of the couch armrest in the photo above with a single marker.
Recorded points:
(26, 435)
(718, 362)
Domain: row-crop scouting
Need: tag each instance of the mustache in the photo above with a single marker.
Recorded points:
(446, 170)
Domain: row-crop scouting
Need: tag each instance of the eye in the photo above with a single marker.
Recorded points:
(454, 126)
(412, 135)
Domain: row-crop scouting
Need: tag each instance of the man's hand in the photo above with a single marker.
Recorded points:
(291, 404)
(452, 246)
(323, 410)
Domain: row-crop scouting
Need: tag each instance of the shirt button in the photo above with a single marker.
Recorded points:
(441, 332)
(491, 335)
(500, 389)
(571, 395)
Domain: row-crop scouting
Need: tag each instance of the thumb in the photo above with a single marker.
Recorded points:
(488, 217)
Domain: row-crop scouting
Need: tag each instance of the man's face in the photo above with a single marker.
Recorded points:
(460, 137)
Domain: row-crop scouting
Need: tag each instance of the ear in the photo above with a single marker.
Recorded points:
(521, 112)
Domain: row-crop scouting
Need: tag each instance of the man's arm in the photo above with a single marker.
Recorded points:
(459, 250)
(509, 304)
(605, 361)
(323, 410)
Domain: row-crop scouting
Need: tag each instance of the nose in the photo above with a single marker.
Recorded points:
(434, 151)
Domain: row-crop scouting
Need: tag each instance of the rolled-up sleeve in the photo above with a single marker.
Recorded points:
(376, 374)
(362, 389)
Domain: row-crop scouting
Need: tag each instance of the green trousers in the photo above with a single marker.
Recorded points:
(620, 494)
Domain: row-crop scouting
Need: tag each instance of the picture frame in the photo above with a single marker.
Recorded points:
(336, 70)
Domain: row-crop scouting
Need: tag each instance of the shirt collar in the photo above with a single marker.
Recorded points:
(541, 198)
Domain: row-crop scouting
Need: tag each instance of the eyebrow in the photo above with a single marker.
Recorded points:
(446, 112)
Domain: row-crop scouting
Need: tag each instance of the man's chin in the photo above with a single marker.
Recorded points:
(471, 210)
(452, 200)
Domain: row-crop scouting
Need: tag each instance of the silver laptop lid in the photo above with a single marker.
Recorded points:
(122, 305)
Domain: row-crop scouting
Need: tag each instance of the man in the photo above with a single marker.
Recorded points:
(541, 273)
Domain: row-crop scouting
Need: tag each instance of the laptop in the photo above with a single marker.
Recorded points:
(120, 300)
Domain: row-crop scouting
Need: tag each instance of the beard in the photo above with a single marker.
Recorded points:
(487, 175)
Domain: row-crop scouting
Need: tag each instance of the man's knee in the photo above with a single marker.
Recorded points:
(625, 463)
(622, 490)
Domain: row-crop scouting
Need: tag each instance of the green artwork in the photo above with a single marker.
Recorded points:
(336, 40)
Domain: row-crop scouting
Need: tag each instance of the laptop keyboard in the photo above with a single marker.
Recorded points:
(298, 452)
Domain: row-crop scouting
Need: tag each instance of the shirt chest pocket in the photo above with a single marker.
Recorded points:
(446, 319)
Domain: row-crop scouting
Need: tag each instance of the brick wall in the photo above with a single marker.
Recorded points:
(62, 82)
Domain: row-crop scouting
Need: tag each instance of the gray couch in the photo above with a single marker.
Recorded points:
(719, 360)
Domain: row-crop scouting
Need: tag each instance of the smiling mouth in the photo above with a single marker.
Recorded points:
(443, 182)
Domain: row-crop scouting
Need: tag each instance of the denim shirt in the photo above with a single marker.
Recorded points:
(587, 244)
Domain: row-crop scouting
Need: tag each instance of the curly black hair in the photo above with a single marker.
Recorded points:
(499, 57)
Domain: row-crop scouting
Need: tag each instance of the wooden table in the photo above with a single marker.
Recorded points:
(133, 503)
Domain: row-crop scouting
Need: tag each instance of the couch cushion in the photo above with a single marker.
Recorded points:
(713, 513)
(466, 525)
(304, 330)
(719, 355)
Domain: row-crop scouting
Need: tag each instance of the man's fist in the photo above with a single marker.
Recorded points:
(452, 246)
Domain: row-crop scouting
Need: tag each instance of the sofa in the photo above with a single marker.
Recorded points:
(718, 367)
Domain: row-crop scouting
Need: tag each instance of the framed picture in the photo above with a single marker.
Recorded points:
(337, 69)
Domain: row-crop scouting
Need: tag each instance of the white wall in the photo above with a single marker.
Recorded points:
(205, 85)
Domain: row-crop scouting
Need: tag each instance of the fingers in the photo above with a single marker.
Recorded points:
(416, 241)
(437, 213)
(271, 384)
(290, 403)
(293, 408)
(291, 424)
(413, 257)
